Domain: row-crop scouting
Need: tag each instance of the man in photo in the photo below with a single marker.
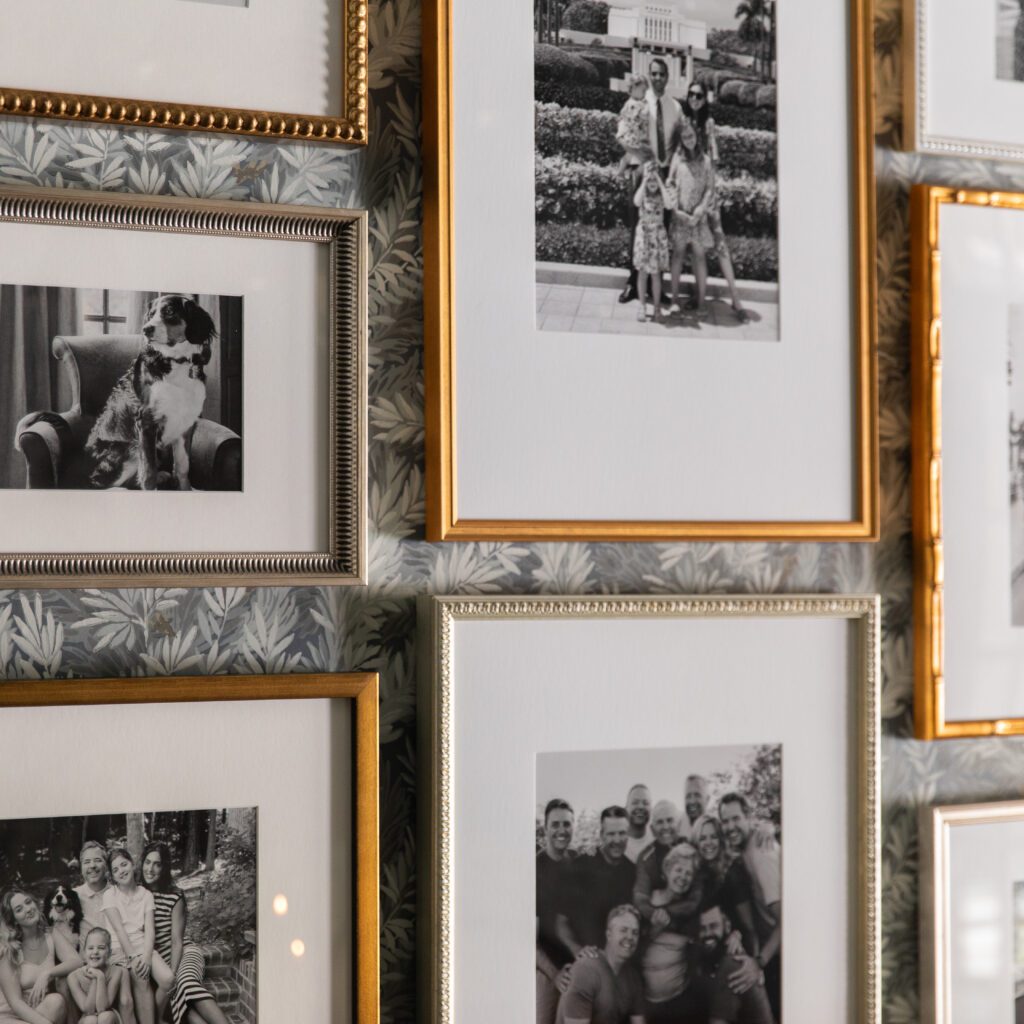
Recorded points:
(638, 807)
(666, 115)
(606, 989)
(554, 890)
(761, 855)
(602, 880)
(649, 876)
(695, 802)
(92, 862)
(718, 967)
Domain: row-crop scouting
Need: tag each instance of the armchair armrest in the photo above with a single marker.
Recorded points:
(215, 458)
(46, 439)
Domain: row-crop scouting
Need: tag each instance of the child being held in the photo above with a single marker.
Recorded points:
(634, 128)
(100, 989)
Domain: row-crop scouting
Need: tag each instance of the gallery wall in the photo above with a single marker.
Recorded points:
(126, 631)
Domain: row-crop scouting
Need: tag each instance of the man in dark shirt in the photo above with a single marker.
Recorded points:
(554, 891)
(665, 826)
(725, 1005)
(602, 880)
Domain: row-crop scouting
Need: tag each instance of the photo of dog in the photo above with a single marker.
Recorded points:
(132, 391)
(157, 400)
(63, 909)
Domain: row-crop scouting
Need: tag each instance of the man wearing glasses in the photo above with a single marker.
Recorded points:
(666, 116)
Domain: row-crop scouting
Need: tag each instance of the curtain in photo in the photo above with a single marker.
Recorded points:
(30, 318)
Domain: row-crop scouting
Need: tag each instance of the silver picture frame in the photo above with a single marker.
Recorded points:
(343, 233)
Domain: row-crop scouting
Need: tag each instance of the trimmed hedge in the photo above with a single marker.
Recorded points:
(581, 193)
(586, 16)
(588, 136)
(552, 63)
(754, 259)
(593, 97)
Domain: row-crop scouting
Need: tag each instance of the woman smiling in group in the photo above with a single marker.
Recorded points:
(191, 1002)
(31, 958)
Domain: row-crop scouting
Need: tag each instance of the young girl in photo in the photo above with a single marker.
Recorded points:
(650, 248)
(100, 986)
(633, 131)
(691, 183)
(129, 910)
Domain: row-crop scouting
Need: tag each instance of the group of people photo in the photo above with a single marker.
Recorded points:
(674, 916)
(97, 934)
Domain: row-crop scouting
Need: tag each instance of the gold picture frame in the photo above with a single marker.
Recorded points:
(436, 724)
(350, 125)
(444, 522)
(935, 827)
(930, 719)
(362, 688)
(343, 234)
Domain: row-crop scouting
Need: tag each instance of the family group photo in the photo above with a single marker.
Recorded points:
(139, 918)
(659, 886)
(656, 167)
(120, 390)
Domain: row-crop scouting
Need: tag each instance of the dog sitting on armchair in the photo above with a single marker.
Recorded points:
(156, 402)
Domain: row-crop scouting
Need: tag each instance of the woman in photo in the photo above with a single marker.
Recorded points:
(31, 959)
(190, 1001)
(690, 181)
(697, 109)
(726, 881)
(129, 911)
(650, 249)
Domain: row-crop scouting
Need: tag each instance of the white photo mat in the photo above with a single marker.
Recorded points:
(982, 277)
(290, 759)
(553, 426)
(267, 56)
(586, 674)
(956, 103)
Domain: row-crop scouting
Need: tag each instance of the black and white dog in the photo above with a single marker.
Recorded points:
(63, 910)
(157, 401)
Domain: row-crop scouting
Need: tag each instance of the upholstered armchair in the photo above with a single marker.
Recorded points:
(54, 443)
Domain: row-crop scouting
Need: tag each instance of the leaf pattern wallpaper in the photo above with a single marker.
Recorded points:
(150, 632)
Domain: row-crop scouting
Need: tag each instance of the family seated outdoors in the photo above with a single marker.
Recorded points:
(122, 960)
(670, 158)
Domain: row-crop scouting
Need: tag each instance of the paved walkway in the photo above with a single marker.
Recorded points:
(581, 309)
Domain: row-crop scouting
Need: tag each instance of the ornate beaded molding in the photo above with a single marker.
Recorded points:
(344, 233)
(349, 126)
(439, 981)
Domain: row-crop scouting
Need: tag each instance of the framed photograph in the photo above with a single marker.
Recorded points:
(972, 913)
(652, 300)
(183, 391)
(976, 111)
(277, 71)
(172, 841)
(967, 367)
(652, 832)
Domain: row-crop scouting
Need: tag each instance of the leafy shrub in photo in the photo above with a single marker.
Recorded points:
(759, 118)
(227, 907)
(754, 259)
(588, 136)
(552, 63)
(586, 16)
(743, 94)
(582, 97)
(766, 96)
(608, 64)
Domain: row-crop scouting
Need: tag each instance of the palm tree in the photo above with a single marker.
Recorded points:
(751, 29)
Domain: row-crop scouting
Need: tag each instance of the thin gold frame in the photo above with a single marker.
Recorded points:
(360, 687)
(930, 722)
(435, 718)
(935, 826)
(344, 233)
(443, 521)
(350, 126)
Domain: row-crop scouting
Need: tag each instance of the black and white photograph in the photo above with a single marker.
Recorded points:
(1010, 40)
(132, 918)
(120, 390)
(659, 886)
(1015, 379)
(656, 168)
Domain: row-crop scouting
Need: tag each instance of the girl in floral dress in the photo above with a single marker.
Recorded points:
(650, 248)
(691, 183)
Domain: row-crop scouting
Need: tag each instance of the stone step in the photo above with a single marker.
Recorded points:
(218, 954)
(224, 990)
(219, 970)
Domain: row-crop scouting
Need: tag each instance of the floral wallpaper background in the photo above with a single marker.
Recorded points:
(142, 632)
